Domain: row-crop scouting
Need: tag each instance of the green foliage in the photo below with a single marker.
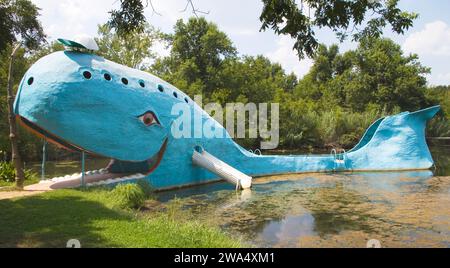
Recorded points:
(339, 128)
(198, 53)
(19, 21)
(8, 173)
(146, 188)
(439, 127)
(286, 17)
(132, 49)
(128, 196)
(130, 17)
(439, 95)
(376, 74)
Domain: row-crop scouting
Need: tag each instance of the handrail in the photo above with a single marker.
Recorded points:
(340, 157)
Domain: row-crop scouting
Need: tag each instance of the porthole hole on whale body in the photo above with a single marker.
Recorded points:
(175, 94)
(160, 88)
(30, 81)
(125, 81)
(198, 148)
(107, 77)
(141, 83)
(87, 75)
(186, 100)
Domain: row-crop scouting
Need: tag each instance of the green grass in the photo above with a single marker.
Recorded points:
(26, 182)
(51, 219)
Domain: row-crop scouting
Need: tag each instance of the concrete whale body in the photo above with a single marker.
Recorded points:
(84, 102)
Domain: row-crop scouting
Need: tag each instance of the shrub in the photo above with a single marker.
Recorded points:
(8, 172)
(438, 127)
(146, 188)
(128, 196)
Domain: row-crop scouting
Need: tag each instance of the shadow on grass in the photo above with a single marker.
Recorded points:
(50, 220)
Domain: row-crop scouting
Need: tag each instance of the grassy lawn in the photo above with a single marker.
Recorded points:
(51, 219)
(26, 182)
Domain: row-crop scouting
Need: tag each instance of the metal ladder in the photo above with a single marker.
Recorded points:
(340, 159)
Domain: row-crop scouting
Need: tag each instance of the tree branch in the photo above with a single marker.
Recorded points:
(194, 9)
(153, 8)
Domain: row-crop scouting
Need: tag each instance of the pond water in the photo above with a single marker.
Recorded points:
(400, 209)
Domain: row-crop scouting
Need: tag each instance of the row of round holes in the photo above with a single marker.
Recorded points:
(107, 77)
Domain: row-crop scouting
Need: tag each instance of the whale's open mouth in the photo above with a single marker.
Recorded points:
(116, 171)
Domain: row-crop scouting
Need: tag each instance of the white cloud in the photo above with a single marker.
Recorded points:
(439, 79)
(67, 18)
(433, 40)
(287, 57)
(240, 31)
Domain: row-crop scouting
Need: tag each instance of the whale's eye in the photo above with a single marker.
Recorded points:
(148, 119)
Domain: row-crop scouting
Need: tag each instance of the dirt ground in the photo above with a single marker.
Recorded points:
(27, 191)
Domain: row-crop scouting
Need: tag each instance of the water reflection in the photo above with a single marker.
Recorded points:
(329, 210)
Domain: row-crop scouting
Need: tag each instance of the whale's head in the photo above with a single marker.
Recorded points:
(85, 103)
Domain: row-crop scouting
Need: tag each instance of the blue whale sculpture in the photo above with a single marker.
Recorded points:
(83, 102)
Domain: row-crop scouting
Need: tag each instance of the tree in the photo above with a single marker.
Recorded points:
(15, 156)
(198, 51)
(360, 19)
(18, 22)
(132, 49)
(18, 25)
(129, 18)
(440, 95)
(375, 75)
(287, 18)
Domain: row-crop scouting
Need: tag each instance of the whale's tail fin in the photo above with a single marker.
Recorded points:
(426, 114)
(395, 142)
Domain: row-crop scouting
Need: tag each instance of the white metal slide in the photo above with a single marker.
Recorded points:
(222, 169)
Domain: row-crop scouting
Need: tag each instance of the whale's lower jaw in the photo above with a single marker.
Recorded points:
(116, 171)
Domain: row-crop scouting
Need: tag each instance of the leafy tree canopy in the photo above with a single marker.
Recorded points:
(19, 22)
(132, 49)
(376, 75)
(360, 19)
(198, 50)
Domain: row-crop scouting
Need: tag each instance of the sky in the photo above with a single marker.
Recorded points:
(239, 19)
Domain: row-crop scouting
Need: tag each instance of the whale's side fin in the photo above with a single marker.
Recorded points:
(398, 142)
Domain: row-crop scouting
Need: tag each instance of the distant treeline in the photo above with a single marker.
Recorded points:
(331, 106)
